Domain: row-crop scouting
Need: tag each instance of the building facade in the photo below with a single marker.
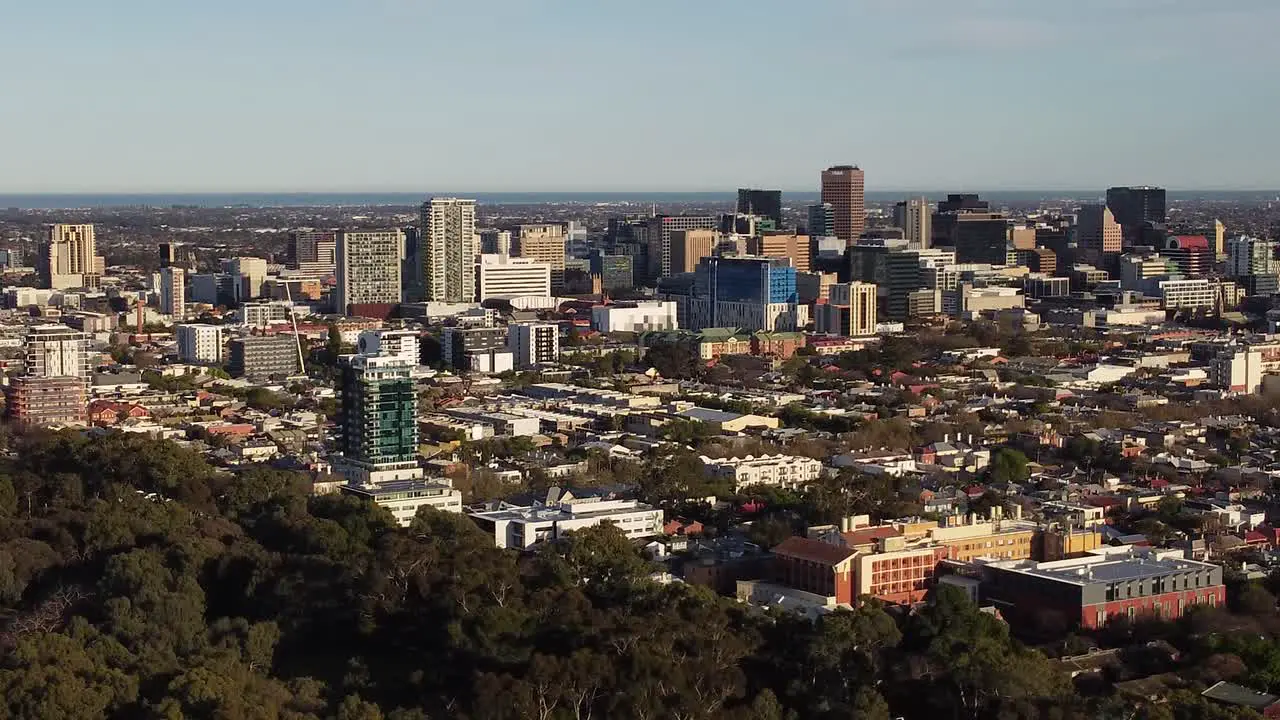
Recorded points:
(47, 401)
(448, 248)
(380, 406)
(533, 343)
(53, 351)
(263, 356)
(504, 277)
(199, 344)
(314, 252)
(1114, 583)
(369, 269)
(70, 258)
(173, 292)
(914, 216)
(782, 245)
(844, 188)
(545, 243)
(635, 317)
(765, 203)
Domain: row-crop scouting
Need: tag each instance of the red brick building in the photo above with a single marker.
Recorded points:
(816, 567)
(1093, 590)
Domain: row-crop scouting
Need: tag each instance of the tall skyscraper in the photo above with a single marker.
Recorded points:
(844, 187)
(173, 292)
(1251, 256)
(249, 275)
(1098, 235)
(380, 405)
(1219, 234)
(1136, 208)
(314, 252)
(786, 245)
(168, 254)
(544, 243)
(495, 242)
(69, 258)
(449, 247)
(850, 310)
(914, 217)
(656, 237)
(822, 220)
(765, 203)
(688, 247)
(369, 268)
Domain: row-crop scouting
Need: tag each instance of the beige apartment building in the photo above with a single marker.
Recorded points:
(784, 245)
(70, 258)
(690, 246)
(543, 243)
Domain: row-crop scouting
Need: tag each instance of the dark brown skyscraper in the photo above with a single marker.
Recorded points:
(844, 187)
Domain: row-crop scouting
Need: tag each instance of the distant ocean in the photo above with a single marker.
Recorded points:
(264, 200)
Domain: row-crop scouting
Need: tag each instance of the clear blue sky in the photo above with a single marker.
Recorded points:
(493, 95)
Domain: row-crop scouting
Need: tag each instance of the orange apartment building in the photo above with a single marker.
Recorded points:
(896, 562)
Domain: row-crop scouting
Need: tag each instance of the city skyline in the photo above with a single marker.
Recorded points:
(251, 103)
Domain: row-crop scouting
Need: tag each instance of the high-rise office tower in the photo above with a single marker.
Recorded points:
(913, 216)
(249, 275)
(379, 424)
(822, 220)
(449, 248)
(369, 268)
(786, 245)
(1137, 208)
(1098, 235)
(1138, 204)
(504, 277)
(495, 242)
(168, 254)
(765, 203)
(543, 242)
(69, 258)
(850, 310)
(1219, 234)
(688, 247)
(844, 187)
(314, 252)
(173, 292)
(655, 234)
(752, 293)
(1251, 256)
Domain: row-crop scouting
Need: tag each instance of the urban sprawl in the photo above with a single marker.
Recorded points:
(1062, 413)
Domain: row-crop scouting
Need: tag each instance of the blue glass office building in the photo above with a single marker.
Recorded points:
(747, 280)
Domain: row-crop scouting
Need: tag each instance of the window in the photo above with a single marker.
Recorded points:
(1129, 612)
(1102, 617)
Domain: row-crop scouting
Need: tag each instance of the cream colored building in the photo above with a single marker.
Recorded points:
(448, 246)
(70, 258)
(543, 243)
(690, 246)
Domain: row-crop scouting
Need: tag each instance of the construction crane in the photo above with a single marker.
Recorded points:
(297, 339)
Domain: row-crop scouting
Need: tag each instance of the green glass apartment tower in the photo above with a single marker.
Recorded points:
(380, 406)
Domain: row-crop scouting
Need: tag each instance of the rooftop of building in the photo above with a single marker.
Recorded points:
(1130, 564)
(400, 486)
(813, 551)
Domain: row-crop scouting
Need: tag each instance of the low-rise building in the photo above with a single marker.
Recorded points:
(404, 497)
(1110, 583)
(523, 526)
(200, 343)
(46, 401)
(635, 317)
(778, 470)
(263, 356)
